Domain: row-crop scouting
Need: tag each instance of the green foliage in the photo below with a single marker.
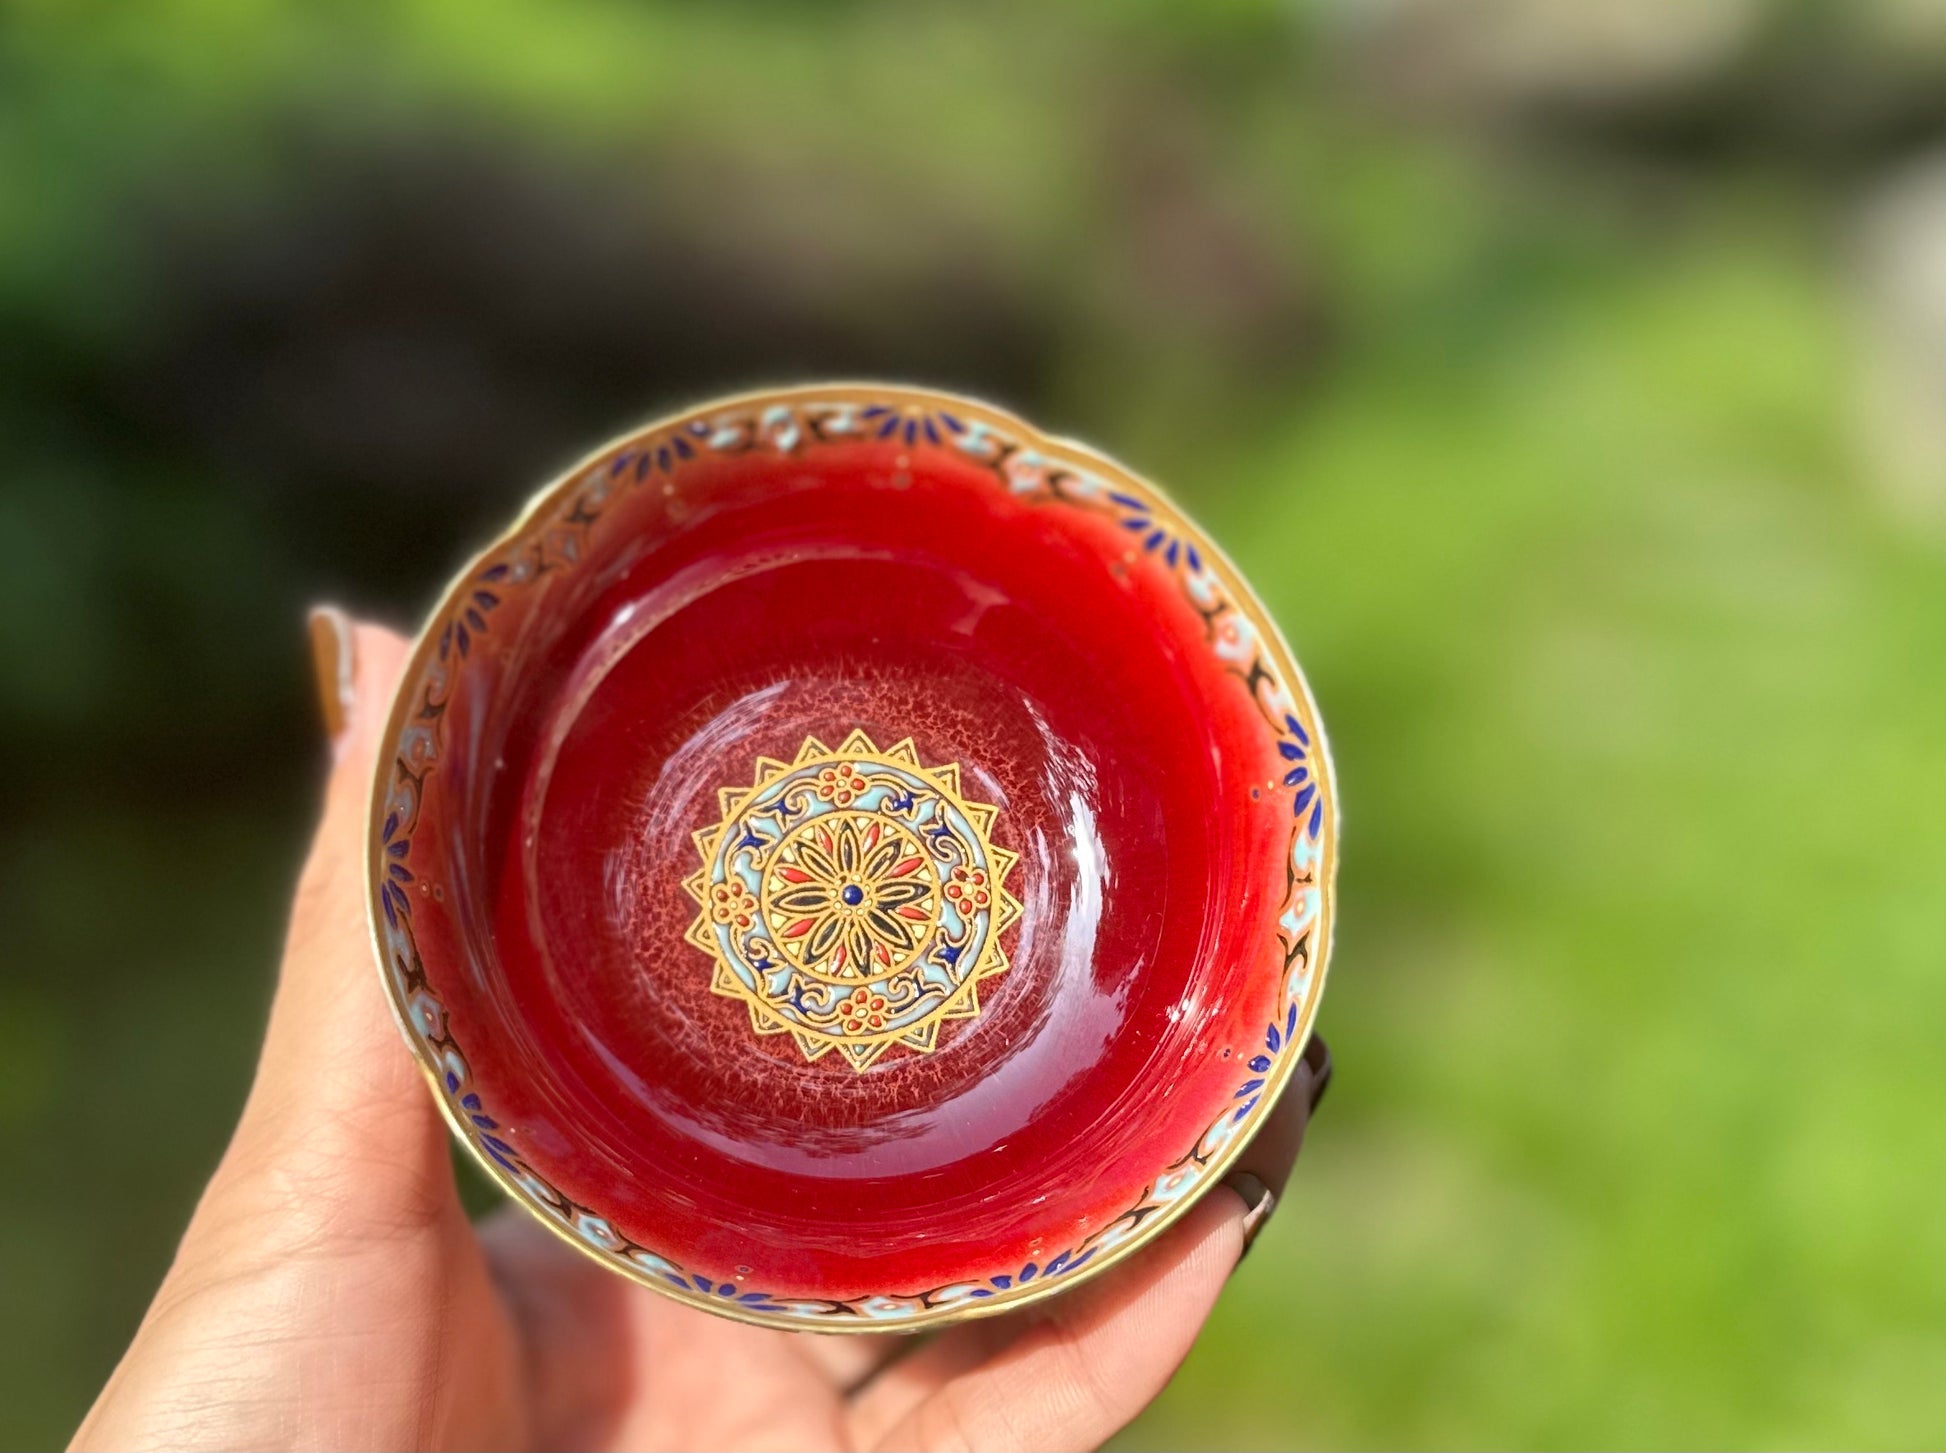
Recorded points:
(1542, 443)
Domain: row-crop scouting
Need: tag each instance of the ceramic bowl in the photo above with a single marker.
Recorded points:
(849, 861)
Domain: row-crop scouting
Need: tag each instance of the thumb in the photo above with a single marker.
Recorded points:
(339, 1141)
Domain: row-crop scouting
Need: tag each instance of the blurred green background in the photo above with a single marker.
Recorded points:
(1570, 377)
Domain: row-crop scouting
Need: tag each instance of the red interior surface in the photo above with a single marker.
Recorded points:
(762, 600)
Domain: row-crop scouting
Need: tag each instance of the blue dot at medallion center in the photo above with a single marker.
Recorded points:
(853, 894)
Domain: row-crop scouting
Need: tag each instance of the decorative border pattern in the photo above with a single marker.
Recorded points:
(551, 536)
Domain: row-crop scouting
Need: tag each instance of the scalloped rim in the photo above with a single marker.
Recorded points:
(1011, 1292)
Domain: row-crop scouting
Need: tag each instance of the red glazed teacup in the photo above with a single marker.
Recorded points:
(851, 862)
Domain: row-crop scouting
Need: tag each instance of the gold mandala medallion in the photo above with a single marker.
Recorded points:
(852, 899)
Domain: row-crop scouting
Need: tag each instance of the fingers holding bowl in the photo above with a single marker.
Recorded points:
(335, 1109)
(1069, 1372)
(322, 1256)
(1072, 1371)
(329, 1020)
(1261, 1172)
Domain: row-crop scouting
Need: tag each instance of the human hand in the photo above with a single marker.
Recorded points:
(330, 1291)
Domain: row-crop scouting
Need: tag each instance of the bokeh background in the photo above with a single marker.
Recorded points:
(1570, 376)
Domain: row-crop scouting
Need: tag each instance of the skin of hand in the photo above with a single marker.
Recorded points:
(330, 1292)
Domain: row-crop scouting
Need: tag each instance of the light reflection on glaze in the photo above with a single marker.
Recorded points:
(1081, 763)
(1064, 877)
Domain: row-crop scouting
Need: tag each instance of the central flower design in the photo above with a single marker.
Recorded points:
(846, 896)
(853, 899)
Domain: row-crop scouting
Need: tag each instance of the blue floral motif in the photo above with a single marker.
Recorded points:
(912, 424)
(1139, 517)
(658, 456)
(1295, 748)
(1277, 1042)
(468, 621)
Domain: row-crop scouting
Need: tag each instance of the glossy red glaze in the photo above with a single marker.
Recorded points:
(762, 599)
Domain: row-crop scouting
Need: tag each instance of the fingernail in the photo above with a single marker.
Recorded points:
(1317, 1059)
(1258, 1203)
(331, 659)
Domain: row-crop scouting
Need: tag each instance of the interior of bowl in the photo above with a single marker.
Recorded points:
(847, 858)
